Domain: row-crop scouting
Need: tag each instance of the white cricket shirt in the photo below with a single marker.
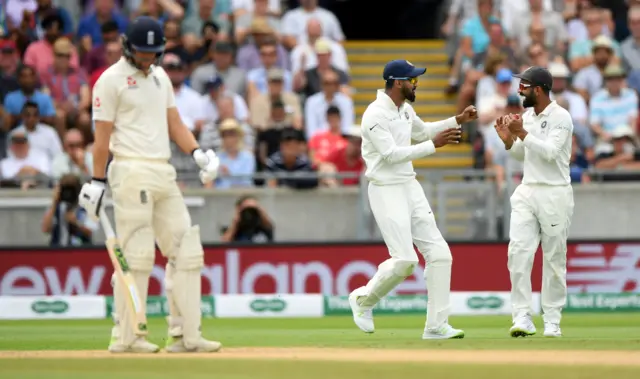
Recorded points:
(137, 105)
(387, 131)
(546, 150)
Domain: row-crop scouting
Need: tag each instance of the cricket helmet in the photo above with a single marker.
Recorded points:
(146, 35)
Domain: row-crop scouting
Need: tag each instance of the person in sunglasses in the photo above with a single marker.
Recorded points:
(542, 205)
(397, 199)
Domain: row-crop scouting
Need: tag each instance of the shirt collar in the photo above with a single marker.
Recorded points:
(386, 101)
(132, 70)
(547, 111)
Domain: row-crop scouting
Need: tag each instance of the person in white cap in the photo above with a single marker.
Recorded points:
(398, 202)
(542, 206)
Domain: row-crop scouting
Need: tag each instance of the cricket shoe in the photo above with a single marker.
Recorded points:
(362, 316)
(445, 332)
(139, 346)
(552, 330)
(522, 327)
(176, 345)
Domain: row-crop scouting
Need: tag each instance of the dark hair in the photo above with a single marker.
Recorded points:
(50, 19)
(388, 84)
(210, 24)
(23, 67)
(333, 110)
(244, 198)
(109, 27)
(30, 104)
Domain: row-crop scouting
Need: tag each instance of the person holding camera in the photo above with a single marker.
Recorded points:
(250, 223)
(65, 221)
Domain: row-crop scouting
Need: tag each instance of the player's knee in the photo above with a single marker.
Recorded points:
(190, 255)
(140, 250)
(404, 267)
(439, 254)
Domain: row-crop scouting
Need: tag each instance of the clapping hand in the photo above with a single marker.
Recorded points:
(502, 128)
(470, 113)
(515, 124)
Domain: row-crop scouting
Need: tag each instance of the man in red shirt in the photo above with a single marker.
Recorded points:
(112, 53)
(324, 143)
(346, 159)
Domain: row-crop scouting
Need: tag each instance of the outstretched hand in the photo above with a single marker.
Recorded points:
(448, 137)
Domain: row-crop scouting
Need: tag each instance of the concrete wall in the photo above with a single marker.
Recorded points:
(603, 211)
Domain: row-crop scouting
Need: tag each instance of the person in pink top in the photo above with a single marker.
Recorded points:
(39, 54)
(324, 143)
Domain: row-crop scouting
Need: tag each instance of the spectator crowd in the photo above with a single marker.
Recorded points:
(265, 83)
(592, 50)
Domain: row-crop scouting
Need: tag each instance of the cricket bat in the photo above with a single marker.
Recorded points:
(135, 307)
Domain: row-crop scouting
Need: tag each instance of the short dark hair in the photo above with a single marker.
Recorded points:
(109, 27)
(50, 19)
(278, 103)
(388, 84)
(30, 104)
(24, 67)
(210, 24)
(333, 110)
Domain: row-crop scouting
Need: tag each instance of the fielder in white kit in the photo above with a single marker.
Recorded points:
(542, 206)
(398, 202)
(135, 117)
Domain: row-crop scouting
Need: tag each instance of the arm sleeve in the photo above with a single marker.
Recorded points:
(423, 131)
(517, 150)
(550, 148)
(377, 131)
(105, 100)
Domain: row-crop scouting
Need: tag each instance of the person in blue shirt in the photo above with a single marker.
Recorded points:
(236, 164)
(14, 101)
(89, 32)
(45, 7)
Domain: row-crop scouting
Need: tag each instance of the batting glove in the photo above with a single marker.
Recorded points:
(208, 163)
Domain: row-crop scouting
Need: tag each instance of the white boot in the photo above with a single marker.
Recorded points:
(362, 316)
(176, 345)
(445, 332)
(552, 330)
(522, 327)
(140, 345)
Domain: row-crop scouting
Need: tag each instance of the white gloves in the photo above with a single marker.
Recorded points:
(208, 163)
(90, 198)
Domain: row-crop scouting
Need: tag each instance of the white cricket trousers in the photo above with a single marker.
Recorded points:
(405, 218)
(540, 214)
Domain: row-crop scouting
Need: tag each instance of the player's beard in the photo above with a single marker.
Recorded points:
(409, 93)
(530, 100)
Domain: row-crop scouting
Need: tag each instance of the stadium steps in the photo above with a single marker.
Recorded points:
(367, 60)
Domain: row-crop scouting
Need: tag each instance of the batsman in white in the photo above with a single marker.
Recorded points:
(542, 205)
(135, 118)
(398, 202)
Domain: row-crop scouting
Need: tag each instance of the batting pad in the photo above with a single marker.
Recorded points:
(186, 285)
(390, 273)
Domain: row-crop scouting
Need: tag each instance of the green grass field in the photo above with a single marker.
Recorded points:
(616, 336)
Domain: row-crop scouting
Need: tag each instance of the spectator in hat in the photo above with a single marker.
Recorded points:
(210, 136)
(221, 64)
(309, 82)
(95, 59)
(345, 160)
(243, 23)
(257, 78)
(69, 89)
(304, 56)
(612, 106)
(9, 62)
(24, 165)
(315, 107)
(290, 160)
(588, 80)
(249, 56)
(216, 89)
(89, 30)
(582, 53)
(624, 153)
(577, 106)
(15, 100)
(237, 164)
(40, 54)
(261, 106)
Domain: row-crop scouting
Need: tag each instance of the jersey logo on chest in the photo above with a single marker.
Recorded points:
(131, 83)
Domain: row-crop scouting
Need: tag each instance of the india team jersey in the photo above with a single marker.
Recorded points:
(137, 105)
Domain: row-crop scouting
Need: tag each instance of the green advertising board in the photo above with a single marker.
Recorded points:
(157, 306)
(339, 305)
(603, 302)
